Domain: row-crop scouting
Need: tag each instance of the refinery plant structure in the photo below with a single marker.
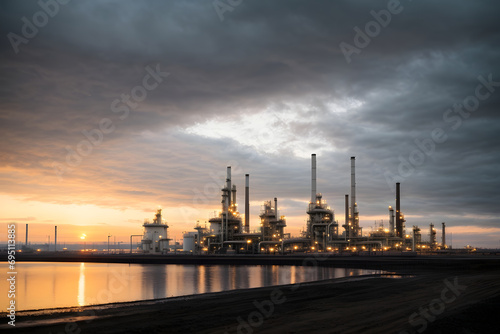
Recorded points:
(155, 237)
(228, 233)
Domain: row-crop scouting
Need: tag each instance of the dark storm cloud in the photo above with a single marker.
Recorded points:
(265, 53)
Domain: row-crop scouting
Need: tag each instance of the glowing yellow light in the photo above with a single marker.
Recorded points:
(83, 236)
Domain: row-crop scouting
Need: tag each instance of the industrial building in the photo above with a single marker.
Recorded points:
(155, 238)
(227, 234)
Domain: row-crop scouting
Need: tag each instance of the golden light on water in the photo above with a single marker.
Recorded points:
(81, 285)
(48, 285)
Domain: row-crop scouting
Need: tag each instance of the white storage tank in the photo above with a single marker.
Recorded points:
(188, 242)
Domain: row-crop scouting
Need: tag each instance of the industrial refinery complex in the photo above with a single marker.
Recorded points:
(227, 233)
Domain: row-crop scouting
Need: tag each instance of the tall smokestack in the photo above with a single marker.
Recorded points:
(55, 239)
(228, 186)
(347, 229)
(414, 240)
(26, 242)
(399, 225)
(313, 178)
(443, 236)
(234, 195)
(276, 208)
(247, 203)
(353, 196)
(391, 220)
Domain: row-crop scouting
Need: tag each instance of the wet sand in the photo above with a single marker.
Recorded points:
(461, 297)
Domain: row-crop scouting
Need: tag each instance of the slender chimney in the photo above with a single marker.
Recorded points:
(347, 216)
(234, 195)
(399, 225)
(391, 220)
(247, 203)
(228, 186)
(353, 197)
(276, 208)
(313, 178)
(414, 240)
(443, 236)
(26, 242)
(55, 239)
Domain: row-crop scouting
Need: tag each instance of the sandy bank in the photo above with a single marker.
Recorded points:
(445, 300)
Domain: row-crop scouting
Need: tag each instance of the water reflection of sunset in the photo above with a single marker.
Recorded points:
(81, 285)
(49, 285)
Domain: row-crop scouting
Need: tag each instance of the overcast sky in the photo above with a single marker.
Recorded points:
(260, 86)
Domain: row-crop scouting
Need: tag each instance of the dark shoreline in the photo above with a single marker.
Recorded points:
(384, 262)
(377, 305)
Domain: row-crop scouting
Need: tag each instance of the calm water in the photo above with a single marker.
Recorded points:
(53, 284)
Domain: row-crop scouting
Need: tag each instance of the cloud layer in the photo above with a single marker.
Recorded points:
(260, 90)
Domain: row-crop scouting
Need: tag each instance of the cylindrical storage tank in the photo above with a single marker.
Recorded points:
(188, 243)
